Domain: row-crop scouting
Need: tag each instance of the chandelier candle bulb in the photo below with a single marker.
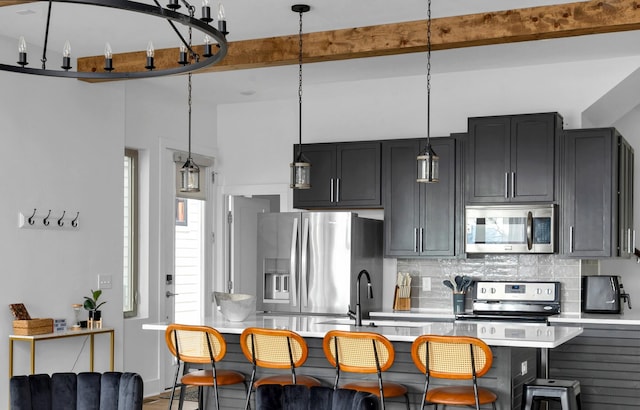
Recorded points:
(207, 47)
(183, 55)
(206, 11)
(108, 57)
(66, 56)
(222, 20)
(22, 52)
(150, 54)
(173, 5)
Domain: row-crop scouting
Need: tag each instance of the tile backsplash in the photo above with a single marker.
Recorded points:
(495, 267)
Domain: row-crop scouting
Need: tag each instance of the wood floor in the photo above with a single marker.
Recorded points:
(161, 402)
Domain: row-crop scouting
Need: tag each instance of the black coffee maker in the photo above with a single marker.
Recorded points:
(603, 294)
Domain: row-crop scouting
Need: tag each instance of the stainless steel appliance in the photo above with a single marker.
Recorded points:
(308, 262)
(603, 294)
(510, 229)
(522, 301)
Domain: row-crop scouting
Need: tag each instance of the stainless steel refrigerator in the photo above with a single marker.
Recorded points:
(308, 262)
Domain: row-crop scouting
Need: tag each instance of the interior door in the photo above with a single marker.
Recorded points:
(187, 257)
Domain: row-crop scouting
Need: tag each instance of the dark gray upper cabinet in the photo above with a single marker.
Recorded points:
(512, 158)
(597, 203)
(343, 175)
(419, 219)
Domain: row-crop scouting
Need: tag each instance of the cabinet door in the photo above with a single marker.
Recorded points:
(626, 232)
(358, 175)
(419, 219)
(322, 158)
(533, 139)
(438, 206)
(488, 159)
(401, 197)
(588, 212)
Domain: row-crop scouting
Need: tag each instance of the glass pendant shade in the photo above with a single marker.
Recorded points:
(428, 165)
(189, 177)
(300, 173)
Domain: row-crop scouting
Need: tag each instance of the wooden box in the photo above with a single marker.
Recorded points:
(32, 327)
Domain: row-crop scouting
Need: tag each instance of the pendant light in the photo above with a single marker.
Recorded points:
(190, 172)
(300, 167)
(428, 159)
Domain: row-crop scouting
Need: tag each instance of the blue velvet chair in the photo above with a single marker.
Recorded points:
(70, 391)
(300, 397)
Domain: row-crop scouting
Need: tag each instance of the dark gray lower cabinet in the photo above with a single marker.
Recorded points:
(605, 359)
(597, 203)
(504, 378)
(419, 219)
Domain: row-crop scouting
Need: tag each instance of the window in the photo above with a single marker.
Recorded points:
(130, 266)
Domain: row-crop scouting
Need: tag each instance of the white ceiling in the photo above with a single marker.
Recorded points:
(88, 28)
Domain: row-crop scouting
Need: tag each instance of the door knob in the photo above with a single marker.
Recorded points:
(169, 294)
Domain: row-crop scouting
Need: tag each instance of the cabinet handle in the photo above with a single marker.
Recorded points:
(506, 185)
(513, 185)
(331, 191)
(571, 239)
(421, 239)
(337, 189)
(415, 239)
(629, 240)
(633, 246)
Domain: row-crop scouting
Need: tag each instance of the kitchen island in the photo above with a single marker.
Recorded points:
(515, 348)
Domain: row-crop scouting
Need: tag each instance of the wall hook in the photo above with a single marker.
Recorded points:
(60, 221)
(74, 223)
(30, 220)
(45, 221)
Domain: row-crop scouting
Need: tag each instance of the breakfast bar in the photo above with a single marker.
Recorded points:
(515, 348)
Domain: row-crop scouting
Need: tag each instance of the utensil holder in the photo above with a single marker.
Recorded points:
(458, 302)
(401, 303)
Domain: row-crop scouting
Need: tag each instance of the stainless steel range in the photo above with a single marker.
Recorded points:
(515, 301)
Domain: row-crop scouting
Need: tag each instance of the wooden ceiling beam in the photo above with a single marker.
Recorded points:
(501, 27)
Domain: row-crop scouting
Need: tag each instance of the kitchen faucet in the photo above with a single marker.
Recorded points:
(357, 315)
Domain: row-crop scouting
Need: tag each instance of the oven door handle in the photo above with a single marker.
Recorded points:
(529, 230)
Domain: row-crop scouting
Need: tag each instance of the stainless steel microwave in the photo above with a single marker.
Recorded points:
(510, 229)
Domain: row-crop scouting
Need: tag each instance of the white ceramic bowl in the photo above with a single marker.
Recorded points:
(235, 307)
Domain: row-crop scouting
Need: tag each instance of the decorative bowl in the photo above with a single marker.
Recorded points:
(235, 307)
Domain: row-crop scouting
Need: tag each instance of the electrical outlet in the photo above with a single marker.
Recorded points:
(426, 283)
(523, 368)
(104, 282)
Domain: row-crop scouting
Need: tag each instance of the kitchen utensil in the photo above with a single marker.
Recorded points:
(458, 280)
(448, 284)
(466, 283)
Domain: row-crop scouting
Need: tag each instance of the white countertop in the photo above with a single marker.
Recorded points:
(493, 333)
(627, 317)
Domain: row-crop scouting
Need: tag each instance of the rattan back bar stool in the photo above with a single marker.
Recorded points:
(275, 349)
(363, 352)
(458, 358)
(199, 345)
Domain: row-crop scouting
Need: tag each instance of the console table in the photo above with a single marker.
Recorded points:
(32, 339)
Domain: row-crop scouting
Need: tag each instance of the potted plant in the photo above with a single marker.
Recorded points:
(91, 304)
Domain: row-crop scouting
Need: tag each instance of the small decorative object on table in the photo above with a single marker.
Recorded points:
(76, 311)
(91, 304)
(24, 325)
(402, 296)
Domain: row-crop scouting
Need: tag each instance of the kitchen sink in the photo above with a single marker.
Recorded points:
(373, 323)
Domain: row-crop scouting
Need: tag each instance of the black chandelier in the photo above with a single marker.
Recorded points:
(170, 13)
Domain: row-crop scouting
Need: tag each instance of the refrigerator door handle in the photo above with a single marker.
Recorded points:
(304, 259)
(293, 263)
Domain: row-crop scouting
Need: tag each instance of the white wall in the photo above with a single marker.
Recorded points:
(62, 146)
